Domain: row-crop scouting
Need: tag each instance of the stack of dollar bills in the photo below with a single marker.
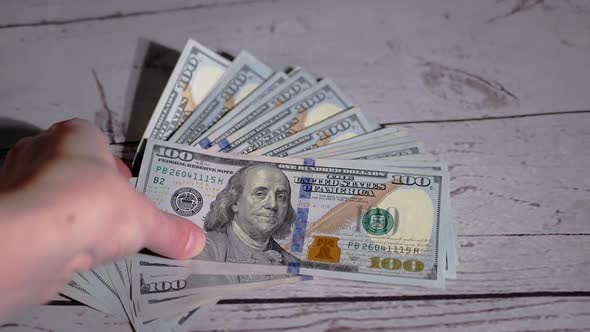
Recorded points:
(290, 182)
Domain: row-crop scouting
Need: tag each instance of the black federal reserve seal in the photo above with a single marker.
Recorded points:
(186, 201)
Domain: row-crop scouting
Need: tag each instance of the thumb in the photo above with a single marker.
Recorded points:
(173, 236)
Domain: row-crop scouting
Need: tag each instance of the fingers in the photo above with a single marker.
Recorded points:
(18, 150)
(173, 236)
(163, 233)
(120, 222)
(79, 138)
(19, 161)
(137, 223)
(122, 168)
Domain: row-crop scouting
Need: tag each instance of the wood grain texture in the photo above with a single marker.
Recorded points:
(398, 61)
(470, 315)
(440, 70)
(39, 13)
(519, 314)
(515, 176)
(64, 318)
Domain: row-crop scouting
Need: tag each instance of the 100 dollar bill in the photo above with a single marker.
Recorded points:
(196, 72)
(339, 219)
(244, 75)
(377, 138)
(399, 148)
(342, 126)
(160, 285)
(316, 104)
(267, 88)
(293, 87)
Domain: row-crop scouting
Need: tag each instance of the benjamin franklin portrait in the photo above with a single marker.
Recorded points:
(248, 216)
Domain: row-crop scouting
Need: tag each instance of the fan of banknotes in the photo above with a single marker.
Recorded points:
(290, 181)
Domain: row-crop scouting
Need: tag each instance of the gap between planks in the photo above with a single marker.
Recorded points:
(517, 116)
(119, 15)
(400, 298)
(128, 143)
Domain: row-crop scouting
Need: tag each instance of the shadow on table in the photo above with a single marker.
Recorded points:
(11, 131)
(152, 66)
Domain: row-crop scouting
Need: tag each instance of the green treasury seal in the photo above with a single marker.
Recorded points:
(378, 221)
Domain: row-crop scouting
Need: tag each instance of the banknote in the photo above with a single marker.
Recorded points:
(81, 278)
(361, 147)
(377, 138)
(293, 87)
(119, 281)
(319, 217)
(342, 126)
(106, 290)
(416, 157)
(196, 72)
(168, 291)
(266, 88)
(87, 284)
(243, 76)
(394, 150)
(76, 291)
(160, 279)
(314, 105)
(180, 282)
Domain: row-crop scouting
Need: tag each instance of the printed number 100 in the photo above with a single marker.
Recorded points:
(411, 265)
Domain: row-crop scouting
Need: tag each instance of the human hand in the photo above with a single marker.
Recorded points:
(65, 206)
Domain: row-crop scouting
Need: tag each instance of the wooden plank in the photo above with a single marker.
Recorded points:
(34, 12)
(515, 176)
(529, 313)
(398, 61)
(467, 315)
(520, 190)
(63, 319)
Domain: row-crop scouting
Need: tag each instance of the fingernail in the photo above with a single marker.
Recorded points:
(195, 243)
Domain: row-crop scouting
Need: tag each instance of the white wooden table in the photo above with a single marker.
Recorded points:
(499, 89)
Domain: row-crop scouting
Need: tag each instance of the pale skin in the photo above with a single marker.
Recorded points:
(65, 206)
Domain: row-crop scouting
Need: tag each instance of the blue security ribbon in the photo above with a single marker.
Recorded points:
(224, 144)
(205, 143)
(302, 212)
(299, 230)
(293, 267)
